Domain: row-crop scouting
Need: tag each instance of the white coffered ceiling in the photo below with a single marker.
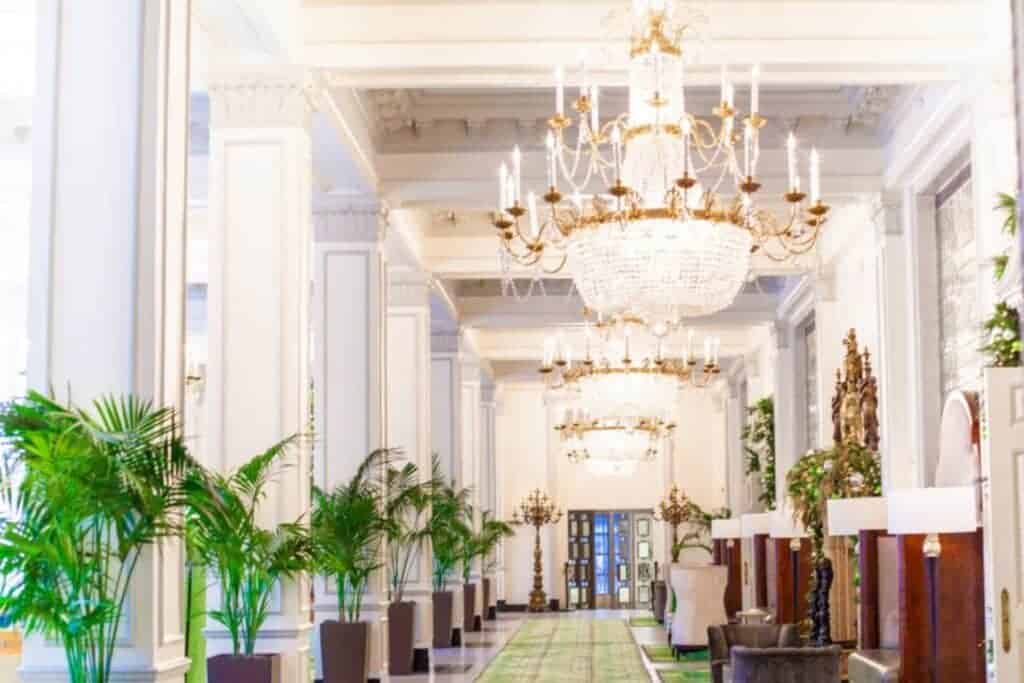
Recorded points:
(427, 97)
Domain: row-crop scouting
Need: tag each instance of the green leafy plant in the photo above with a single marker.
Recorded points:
(699, 522)
(225, 538)
(759, 447)
(406, 509)
(447, 528)
(347, 529)
(1004, 343)
(1007, 203)
(845, 471)
(482, 543)
(97, 489)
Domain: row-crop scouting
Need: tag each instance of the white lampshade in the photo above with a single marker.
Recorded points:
(753, 524)
(726, 528)
(850, 516)
(785, 526)
(935, 510)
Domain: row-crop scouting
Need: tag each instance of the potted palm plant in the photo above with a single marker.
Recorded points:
(89, 492)
(406, 509)
(492, 531)
(348, 527)
(446, 530)
(246, 559)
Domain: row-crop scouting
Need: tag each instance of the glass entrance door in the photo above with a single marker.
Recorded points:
(610, 556)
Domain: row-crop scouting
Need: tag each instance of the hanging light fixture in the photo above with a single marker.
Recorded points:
(616, 445)
(670, 232)
(614, 384)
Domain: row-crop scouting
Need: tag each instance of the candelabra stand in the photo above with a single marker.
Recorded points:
(673, 509)
(537, 510)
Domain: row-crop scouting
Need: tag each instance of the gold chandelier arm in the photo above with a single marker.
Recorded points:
(558, 268)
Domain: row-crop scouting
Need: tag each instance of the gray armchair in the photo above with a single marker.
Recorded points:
(721, 640)
(785, 664)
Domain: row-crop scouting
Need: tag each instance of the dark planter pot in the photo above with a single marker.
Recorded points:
(400, 637)
(469, 607)
(243, 669)
(442, 603)
(344, 651)
(660, 600)
(487, 599)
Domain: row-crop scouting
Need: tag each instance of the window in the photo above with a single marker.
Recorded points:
(959, 323)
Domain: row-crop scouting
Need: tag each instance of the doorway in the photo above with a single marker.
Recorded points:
(611, 559)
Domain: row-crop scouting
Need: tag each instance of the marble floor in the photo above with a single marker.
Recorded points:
(466, 663)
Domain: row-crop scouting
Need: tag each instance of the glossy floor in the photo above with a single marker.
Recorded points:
(469, 661)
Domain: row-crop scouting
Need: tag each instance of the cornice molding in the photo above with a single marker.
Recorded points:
(356, 222)
(264, 98)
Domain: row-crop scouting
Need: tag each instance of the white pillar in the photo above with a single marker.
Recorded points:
(408, 407)
(891, 361)
(349, 371)
(445, 402)
(258, 376)
(786, 420)
(488, 471)
(735, 417)
(107, 255)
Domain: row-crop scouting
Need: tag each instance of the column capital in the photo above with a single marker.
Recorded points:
(359, 221)
(887, 215)
(408, 287)
(262, 97)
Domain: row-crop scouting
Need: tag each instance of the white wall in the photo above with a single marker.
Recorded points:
(530, 456)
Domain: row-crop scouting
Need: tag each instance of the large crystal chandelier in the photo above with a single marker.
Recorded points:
(654, 213)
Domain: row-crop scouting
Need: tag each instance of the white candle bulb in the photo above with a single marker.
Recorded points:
(510, 192)
(730, 94)
(584, 76)
(755, 89)
(791, 162)
(517, 173)
(502, 187)
(815, 176)
(617, 150)
(689, 346)
(549, 346)
(534, 218)
(707, 350)
(560, 91)
(748, 136)
(724, 84)
(550, 142)
(595, 117)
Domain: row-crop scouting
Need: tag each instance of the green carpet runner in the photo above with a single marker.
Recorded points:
(565, 650)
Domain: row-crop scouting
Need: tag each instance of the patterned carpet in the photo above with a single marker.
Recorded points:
(564, 650)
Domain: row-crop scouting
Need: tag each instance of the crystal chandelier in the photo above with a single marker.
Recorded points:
(670, 231)
(612, 441)
(614, 384)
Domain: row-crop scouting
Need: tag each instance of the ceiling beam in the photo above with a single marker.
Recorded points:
(395, 43)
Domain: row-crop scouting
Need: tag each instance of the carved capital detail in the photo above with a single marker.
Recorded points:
(409, 288)
(273, 98)
(350, 223)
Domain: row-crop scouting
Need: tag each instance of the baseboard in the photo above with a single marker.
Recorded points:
(508, 607)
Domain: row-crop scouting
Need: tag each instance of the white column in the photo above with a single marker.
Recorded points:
(735, 416)
(787, 451)
(349, 374)
(489, 478)
(408, 408)
(445, 402)
(891, 362)
(107, 266)
(258, 376)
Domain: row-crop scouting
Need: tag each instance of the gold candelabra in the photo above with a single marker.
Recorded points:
(675, 508)
(536, 510)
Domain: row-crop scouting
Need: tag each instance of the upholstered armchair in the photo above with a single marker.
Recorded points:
(785, 664)
(721, 640)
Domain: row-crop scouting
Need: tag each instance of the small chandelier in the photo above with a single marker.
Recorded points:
(613, 441)
(628, 387)
(670, 233)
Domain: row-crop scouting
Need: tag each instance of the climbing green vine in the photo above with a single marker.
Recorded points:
(844, 471)
(1002, 328)
(759, 448)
